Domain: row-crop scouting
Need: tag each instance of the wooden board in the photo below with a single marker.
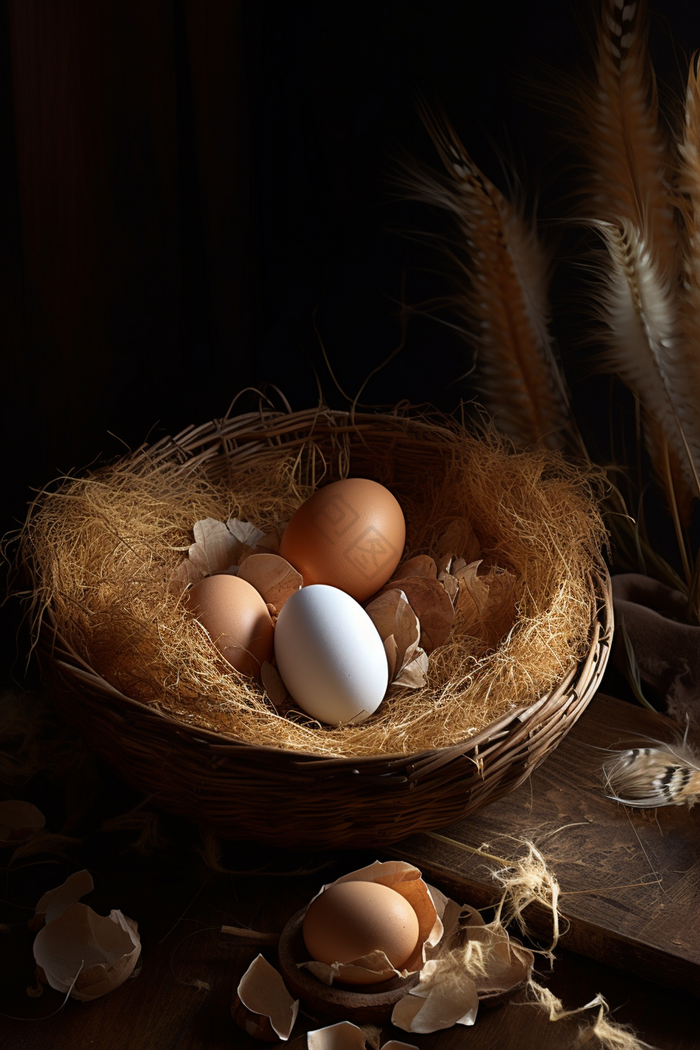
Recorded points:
(629, 879)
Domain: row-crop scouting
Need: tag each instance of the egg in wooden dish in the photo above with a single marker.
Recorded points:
(351, 920)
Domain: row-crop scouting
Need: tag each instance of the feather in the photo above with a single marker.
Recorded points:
(688, 394)
(627, 150)
(644, 348)
(656, 775)
(633, 205)
(503, 273)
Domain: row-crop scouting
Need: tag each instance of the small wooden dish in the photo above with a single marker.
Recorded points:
(362, 1004)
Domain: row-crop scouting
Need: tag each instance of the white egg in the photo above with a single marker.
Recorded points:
(330, 655)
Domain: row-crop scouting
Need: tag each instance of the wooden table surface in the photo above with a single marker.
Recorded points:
(181, 891)
(182, 993)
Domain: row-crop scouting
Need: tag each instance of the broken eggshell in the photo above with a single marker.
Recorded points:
(457, 542)
(487, 601)
(261, 1004)
(347, 1036)
(272, 576)
(400, 632)
(406, 880)
(19, 820)
(432, 605)
(476, 962)
(57, 900)
(506, 962)
(221, 546)
(435, 1004)
(86, 954)
(218, 547)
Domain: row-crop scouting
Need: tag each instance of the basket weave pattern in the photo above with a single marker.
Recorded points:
(288, 798)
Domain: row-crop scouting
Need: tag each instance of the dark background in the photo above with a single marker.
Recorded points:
(197, 198)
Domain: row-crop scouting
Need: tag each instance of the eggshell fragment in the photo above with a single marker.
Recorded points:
(57, 900)
(330, 655)
(419, 565)
(457, 540)
(341, 1036)
(349, 534)
(434, 1005)
(449, 990)
(273, 578)
(508, 963)
(432, 605)
(19, 820)
(346, 1036)
(219, 545)
(399, 629)
(487, 601)
(87, 954)
(236, 618)
(262, 1005)
(273, 684)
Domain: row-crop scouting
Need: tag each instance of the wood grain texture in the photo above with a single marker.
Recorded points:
(629, 879)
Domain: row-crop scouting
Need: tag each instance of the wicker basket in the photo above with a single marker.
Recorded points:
(294, 799)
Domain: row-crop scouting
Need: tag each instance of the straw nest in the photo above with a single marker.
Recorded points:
(105, 552)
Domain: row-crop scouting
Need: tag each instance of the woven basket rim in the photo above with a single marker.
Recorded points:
(195, 444)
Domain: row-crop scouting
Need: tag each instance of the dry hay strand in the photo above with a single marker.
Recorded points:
(104, 551)
(602, 1033)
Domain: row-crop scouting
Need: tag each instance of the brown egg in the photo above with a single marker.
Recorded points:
(236, 618)
(349, 534)
(351, 919)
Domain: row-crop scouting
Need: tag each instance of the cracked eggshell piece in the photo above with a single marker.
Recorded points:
(262, 1006)
(19, 820)
(447, 993)
(274, 579)
(57, 900)
(347, 1036)
(87, 954)
(509, 963)
(436, 1004)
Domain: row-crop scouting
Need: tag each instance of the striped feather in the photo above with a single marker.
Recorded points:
(641, 313)
(634, 206)
(628, 150)
(652, 776)
(687, 395)
(503, 296)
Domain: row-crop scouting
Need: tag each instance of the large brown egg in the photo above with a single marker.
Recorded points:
(236, 618)
(349, 534)
(349, 920)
